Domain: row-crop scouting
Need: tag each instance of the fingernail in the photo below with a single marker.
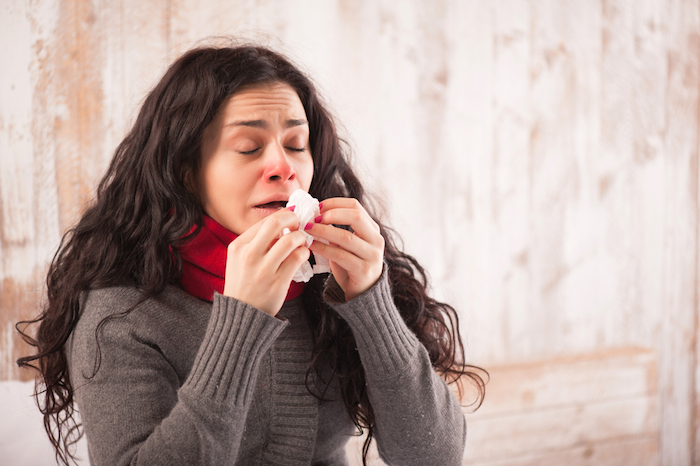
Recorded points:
(312, 242)
(309, 226)
(320, 205)
(318, 219)
(291, 208)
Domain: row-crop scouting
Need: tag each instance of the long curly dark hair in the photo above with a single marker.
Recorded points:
(143, 209)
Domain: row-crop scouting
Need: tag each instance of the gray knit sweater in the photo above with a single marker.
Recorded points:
(181, 381)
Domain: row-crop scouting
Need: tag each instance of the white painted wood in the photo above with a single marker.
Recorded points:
(29, 229)
(527, 432)
(45, 108)
(574, 380)
(595, 408)
(636, 452)
(17, 195)
(542, 407)
(539, 158)
(135, 43)
(680, 220)
(695, 415)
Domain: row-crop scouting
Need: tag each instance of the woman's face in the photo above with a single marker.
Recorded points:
(255, 153)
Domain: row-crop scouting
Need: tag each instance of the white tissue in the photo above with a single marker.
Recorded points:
(306, 210)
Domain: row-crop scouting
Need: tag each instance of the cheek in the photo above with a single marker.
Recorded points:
(215, 184)
(306, 172)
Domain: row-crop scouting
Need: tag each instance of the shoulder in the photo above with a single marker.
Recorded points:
(129, 302)
(122, 314)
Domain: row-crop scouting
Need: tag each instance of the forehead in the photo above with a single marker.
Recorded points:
(264, 101)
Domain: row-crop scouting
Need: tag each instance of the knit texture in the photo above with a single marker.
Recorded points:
(183, 381)
(293, 413)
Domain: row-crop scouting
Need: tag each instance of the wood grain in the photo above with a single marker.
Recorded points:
(679, 324)
(29, 229)
(573, 407)
(621, 373)
(540, 159)
(636, 452)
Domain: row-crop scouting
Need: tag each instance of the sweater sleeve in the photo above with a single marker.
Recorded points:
(418, 419)
(134, 410)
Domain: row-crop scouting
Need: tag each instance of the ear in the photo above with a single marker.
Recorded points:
(189, 179)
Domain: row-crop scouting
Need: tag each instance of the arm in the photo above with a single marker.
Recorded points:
(152, 401)
(418, 419)
(134, 409)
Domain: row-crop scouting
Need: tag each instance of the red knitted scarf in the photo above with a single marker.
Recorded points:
(204, 262)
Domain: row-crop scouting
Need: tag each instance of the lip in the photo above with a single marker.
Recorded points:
(283, 197)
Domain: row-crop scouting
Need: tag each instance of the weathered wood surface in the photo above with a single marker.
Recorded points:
(588, 409)
(539, 158)
(636, 452)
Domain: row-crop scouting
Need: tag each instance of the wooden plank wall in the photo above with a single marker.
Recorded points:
(592, 409)
(539, 157)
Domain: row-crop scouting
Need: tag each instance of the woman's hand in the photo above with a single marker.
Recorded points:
(357, 258)
(261, 262)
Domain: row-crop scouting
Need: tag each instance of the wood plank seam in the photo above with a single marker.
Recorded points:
(476, 416)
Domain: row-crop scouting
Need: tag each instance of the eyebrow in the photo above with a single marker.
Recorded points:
(264, 124)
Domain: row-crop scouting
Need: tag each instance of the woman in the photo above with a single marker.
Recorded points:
(184, 343)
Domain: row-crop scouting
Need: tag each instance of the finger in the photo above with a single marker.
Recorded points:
(344, 239)
(283, 249)
(266, 232)
(292, 262)
(337, 203)
(252, 232)
(361, 223)
(342, 257)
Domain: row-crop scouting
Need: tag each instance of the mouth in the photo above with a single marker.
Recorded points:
(276, 205)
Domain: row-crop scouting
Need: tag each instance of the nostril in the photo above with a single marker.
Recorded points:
(279, 169)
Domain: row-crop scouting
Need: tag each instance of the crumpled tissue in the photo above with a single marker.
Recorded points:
(306, 209)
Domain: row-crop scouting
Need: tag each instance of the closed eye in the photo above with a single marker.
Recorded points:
(249, 152)
(296, 149)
